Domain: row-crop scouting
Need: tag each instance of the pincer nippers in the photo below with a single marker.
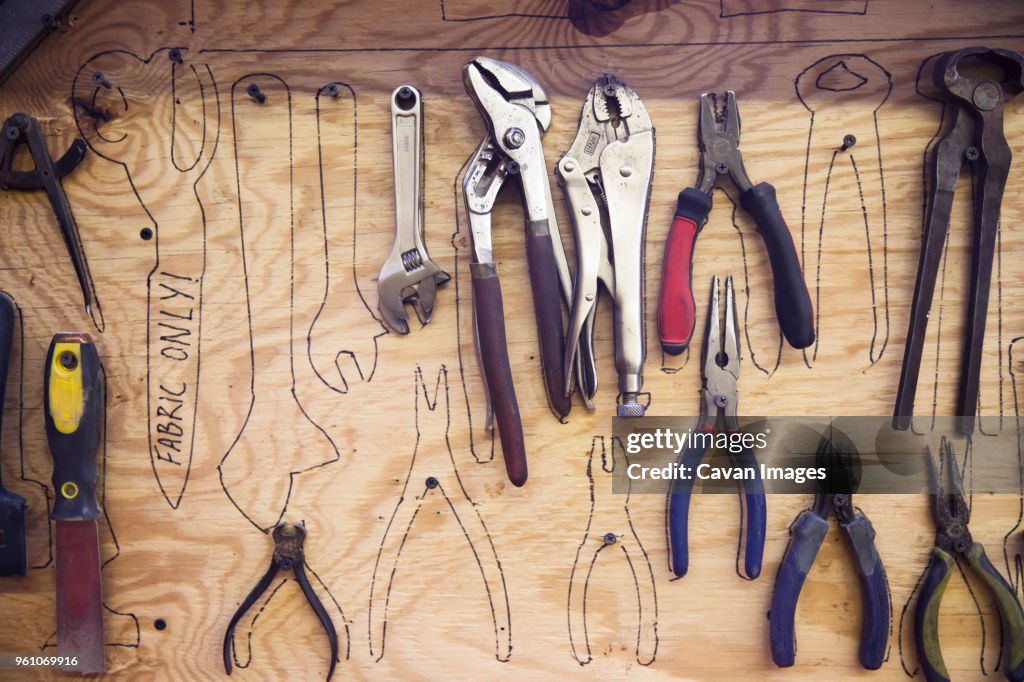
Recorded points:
(606, 176)
(516, 111)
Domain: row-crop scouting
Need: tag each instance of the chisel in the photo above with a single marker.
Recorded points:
(74, 425)
(13, 557)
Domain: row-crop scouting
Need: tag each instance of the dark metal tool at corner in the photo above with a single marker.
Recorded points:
(720, 155)
(516, 111)
(834, 497)
(408, 275)
(606, 176)
(973, 116)
(75, 416)
(720, 369)
(23, 129)
(13, 550)
(953, 541)
(289, 555)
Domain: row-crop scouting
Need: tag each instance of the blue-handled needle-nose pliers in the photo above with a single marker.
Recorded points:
(720, 370)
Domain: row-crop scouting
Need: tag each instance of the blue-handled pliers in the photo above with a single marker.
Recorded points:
(806, 534)
(719, 370)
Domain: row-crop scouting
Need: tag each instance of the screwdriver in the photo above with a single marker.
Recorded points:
(75, 412)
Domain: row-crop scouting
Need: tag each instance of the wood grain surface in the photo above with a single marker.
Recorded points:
(249, 378)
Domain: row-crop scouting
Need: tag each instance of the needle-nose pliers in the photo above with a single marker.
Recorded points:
(953, 539)
(719, 397)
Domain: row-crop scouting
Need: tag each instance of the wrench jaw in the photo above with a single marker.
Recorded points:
(398, 288)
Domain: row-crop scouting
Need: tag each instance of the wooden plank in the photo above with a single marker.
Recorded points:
(304, 403)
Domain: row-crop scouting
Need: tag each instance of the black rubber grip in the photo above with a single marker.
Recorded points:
(792, 301)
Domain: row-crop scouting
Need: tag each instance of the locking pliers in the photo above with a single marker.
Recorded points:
(606, 176)
(517, 113)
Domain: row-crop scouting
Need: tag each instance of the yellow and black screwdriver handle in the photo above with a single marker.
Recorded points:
(74, 424)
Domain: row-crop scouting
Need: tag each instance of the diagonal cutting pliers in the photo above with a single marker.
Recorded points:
(517, 113)
(719, 397)
(720, 155)
(833, 498)
(606, 176)
(953, 540)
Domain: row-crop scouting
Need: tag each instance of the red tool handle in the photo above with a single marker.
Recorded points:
(490, 321)
(676, 308)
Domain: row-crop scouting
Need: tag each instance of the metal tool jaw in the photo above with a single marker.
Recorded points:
(289, 555)
(721, 362)
(720, 148)
(46, 175)
(952, 513)
(606, 177)
(408, 275)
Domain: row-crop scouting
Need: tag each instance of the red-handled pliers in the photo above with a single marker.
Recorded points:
(720, 155)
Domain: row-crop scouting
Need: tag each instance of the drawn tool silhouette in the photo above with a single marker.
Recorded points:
(263, 154)
(160, 119)
(844, 172)
(609, 535)
(433, 481)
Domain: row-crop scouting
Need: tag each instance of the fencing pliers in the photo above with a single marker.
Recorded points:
(952, 540)
(606, 176)
(833, 498)
(288, 556)
(720, 369)
(720, 155)
(517, 113)
(973, 114)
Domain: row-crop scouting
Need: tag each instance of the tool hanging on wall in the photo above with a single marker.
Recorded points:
(720, 155)
(952, 541)
(973, 116)
(23, 129)
(408, 275)
(517, 113)
(288, 555)
(13, 553)
(720, 368)
(75, 415)
(834, 497)
(606, 176)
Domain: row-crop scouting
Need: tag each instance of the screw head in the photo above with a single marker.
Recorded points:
(609, 538)
(972, 153)
(722, 169)
(68, 360)
(432, 482)
(12, 133)
(515, 138)
(512, 168)
(721, 401)
(569, 166)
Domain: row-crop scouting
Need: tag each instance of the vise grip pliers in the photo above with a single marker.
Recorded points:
(517, 113)
(606, 176)
(973, 114)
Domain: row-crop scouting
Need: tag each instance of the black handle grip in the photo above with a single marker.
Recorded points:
(874, 632)
(792, 301)
(805, 538)
(74, 399)
(7, 320)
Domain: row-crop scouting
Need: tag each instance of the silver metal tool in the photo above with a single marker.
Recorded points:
(516, 111)
(606, 176)
(408, 274)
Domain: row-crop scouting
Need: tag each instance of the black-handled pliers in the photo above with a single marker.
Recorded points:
(719, 398)
(953, 539)
(720, 155)
(834, 497)
(288, 556)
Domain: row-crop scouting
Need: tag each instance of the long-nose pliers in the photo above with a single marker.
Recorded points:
(719, 397)
(952, 540)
